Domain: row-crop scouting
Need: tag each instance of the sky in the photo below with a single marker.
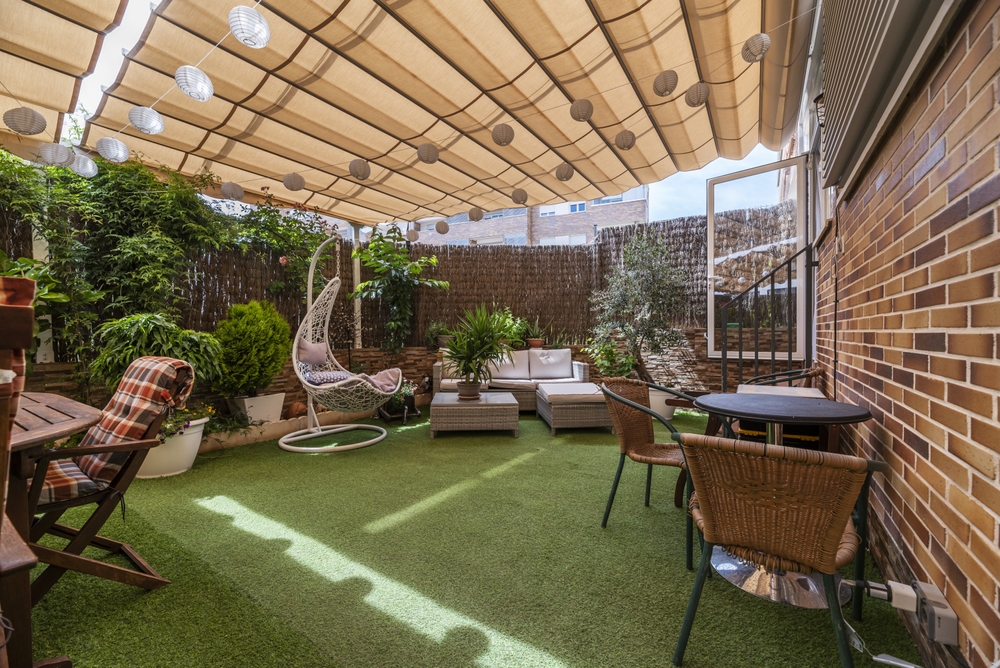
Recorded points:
(683, 194)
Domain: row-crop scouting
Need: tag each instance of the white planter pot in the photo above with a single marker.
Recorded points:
(175, 455)
(265, 407)
(657, 401)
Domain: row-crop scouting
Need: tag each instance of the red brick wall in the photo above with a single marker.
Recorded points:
(917, 322)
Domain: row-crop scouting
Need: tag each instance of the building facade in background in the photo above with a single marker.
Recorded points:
(568, 223)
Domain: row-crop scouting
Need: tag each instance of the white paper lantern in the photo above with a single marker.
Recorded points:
(755, 48)
(24, 121)
(146, 120)
(519, 196)
(428, 153)
(625, 140)
(360, 169)
(232, 190)
(697, 94)
(503, 134)
(84, 166)
(249, 26)
(564, 172)
(194, 83)
(57, 155)
(441, 227)
(475, 214)
(294, 181)
(112, 150)
(581, 110)
(412, 236)
(665, 83)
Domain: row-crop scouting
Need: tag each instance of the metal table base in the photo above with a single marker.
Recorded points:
(801, 591)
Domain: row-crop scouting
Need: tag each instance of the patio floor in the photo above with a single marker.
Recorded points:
(471, 549)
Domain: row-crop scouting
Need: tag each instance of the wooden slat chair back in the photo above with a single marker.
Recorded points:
(100, 471)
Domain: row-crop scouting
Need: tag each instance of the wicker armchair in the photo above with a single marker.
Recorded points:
(779, 508)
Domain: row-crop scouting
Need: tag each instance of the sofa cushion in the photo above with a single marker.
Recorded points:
(570, 393)
(451, 384)
(514, 368)
(550, 363)
(513, 383)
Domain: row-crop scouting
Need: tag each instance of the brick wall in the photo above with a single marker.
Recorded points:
(914, 297)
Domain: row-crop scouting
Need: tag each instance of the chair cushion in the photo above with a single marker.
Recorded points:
(140, 398)
(517, 367)
(312, 353)
(570, 393)
(64, 481)
(325, 377)
(513, 383)
(550, 363)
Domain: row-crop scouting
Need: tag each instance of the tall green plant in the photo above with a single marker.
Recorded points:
(256, 342)
(396, 279)
(480, 340)
(643, 298)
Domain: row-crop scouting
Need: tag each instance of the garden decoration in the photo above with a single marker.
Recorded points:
(401, 404)
(325, 381)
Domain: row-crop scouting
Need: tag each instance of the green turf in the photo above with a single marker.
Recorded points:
(512, 560)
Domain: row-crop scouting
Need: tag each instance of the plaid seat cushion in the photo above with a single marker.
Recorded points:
(64, 481)
(141, 396)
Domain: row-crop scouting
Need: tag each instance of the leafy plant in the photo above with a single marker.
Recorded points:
(608, 360)
(513, 327)
(256, 342)
(181, 418)
(643, 297)
(480, 339)
(129, 338)
(398, 400)
(396, 278)
(434, 330)
(533, 330)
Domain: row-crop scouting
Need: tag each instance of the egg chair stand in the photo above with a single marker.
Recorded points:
(352, 394)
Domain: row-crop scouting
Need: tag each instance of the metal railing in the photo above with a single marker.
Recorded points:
(757, 315)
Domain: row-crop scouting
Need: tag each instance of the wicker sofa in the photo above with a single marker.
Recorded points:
(521, 375)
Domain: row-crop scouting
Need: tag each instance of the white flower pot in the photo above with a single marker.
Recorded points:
(176, 454)
(657, 401)
(262, 408)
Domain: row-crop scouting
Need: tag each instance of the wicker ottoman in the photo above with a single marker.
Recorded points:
(491, 411)
(572, 405)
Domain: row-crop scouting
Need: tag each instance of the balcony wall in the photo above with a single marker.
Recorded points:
(908, 317)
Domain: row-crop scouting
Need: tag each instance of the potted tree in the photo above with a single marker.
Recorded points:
(256, 343)
(480, 340)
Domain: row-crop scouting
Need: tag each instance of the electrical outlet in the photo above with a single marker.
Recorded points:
(936, 615)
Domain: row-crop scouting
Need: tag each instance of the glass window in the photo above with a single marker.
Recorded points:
(518, 239)
(458, 242)
(493, 214)
(578, 208)
(608, 200)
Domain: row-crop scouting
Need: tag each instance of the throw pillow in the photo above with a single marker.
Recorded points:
(312, 353)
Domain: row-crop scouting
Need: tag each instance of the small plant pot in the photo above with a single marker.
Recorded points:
(536, 343)
(444, 340)
(467, 391)
(262, 408)
(175, 455)
(657, 401)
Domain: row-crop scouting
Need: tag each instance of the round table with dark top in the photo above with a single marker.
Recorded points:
(804, 591)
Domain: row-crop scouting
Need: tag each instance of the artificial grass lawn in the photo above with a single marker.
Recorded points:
(509, 567)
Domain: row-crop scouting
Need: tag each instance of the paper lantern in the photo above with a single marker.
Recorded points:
(503, 134)
(519, 196)
(697, 94)
(24, 121)
(428, 153)
(625, 140)
(412, 236)
(294, 181)
(57, 155)
(564, 172)
(146, 120)
(249, 26)
(84, 166)
(475, 214)
(665, 83)
(194, 83)
(112, 150)
(755, 48)
(441, 227)
(581, 110)
(360, 169)
(232, 190)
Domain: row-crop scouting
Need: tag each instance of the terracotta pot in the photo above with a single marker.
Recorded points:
(467, 391)
(536, 343)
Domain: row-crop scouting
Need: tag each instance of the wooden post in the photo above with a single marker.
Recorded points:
(356, 281)
(531, 214)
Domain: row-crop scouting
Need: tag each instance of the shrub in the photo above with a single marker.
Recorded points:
(126, 339)
(256, 342)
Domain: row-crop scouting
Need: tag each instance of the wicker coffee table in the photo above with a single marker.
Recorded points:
(490, 412)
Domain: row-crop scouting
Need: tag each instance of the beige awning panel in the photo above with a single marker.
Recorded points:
(374, 79)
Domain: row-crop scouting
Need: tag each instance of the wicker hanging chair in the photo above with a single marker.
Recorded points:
(353, 394)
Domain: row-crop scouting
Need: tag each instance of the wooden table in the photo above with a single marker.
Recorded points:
(40, 418)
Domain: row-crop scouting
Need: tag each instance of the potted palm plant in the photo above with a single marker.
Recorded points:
(480, 340)
(534, 334)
